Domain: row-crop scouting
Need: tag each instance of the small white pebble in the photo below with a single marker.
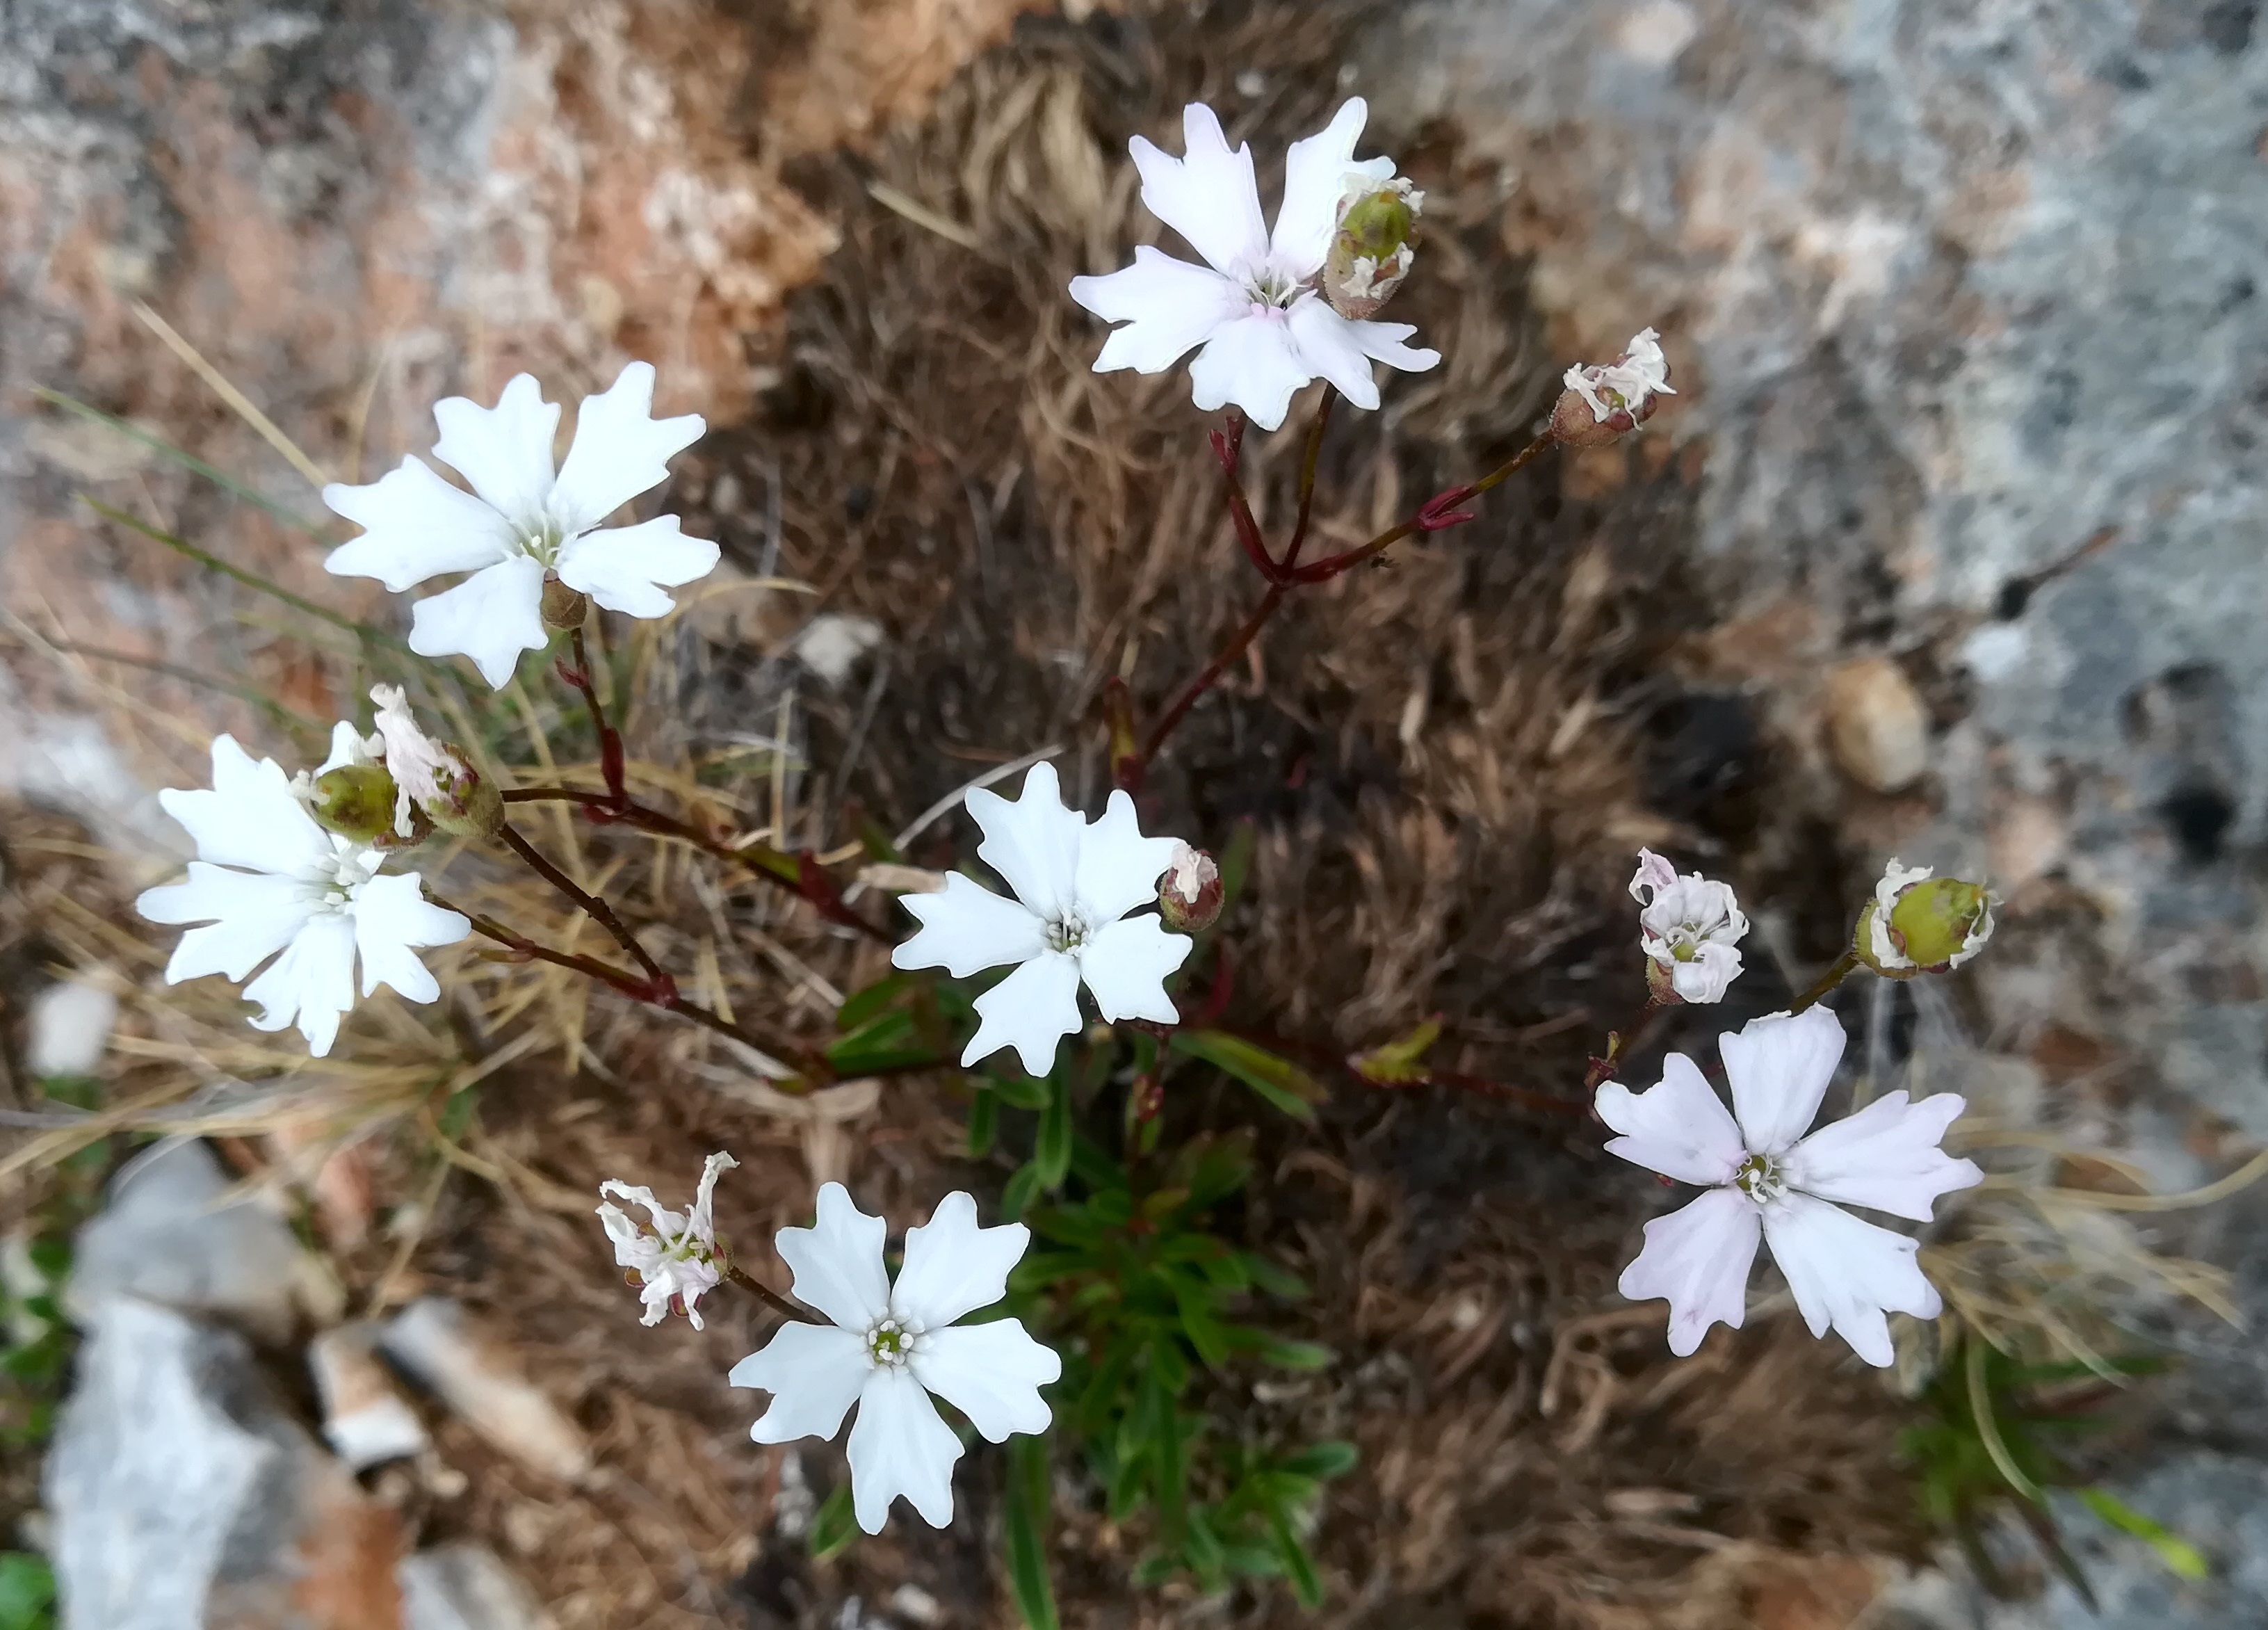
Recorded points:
(71, 1029)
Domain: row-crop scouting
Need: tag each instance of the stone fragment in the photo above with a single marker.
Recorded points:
(183, 1498)
(176, 1233)
(465, 1587)
(481, 1381)
(364, 1416)
(1875, 725)
(71, 1028)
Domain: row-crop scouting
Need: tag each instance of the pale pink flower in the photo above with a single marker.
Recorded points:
(1689, 927)
(1766, 1180)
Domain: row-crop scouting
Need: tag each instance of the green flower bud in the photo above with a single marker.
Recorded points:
(1919, 924)
(1374, 247)
(463, 803)
(356, 801)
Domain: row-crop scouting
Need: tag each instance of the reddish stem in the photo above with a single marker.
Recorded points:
(592, 906)
(1314, 452)
(610, 740)
(1247, 631)
(800, 873)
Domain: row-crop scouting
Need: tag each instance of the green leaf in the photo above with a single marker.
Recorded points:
(984, 1122)
(1202, 1328)
(1332, 1458)
(889, 1040)
(188, 461)
(1211, 1167)
(1299, 1566)
(250, 580)
(1400, 1063)
(1051, 1155)
(1017, 1090)
(835, 1525)
(1296, 1355)
(27, 1590)
(1275, 1280)
(1279, 1080)
(1169, 1484)
(2181, 1559)
(861, 1005)
(1023, 1187)
(1028, 1508)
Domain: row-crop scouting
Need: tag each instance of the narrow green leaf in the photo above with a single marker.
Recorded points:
(1168, 1487)
(1332, 1458)
(187, 460)
(1275, 1280)
(1279, 1080)
(863, 1004)
(2181, 1559)
(250, 580)
(984, 1123)
(1051, 1155)
(835, 1525)
(1023, 1187)
(1028, 1508)
(1017, 1090)
(1299, 1566)
(1296, 1355)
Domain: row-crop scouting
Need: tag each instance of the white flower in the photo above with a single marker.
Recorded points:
(890, 1346)
(268, 879)
(1252, 308)
(1074, 883)
(675, 1258)
(1769, 1180)
(1628, 383)
(526, 523)
(1689, 928)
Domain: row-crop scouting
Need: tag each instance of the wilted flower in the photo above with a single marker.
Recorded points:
(434, 777)
(1606, 401)
(674, 1258)
(1190, 894)
(1374, 245)
(1254, 306)
(1687, 928)
(1074, 881)
(527, 526)
(1768, 1181)
(890, 1345)
(1919, 924)
(267, 880)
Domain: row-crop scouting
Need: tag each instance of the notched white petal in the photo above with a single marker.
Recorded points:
(1697, 1258)
(1778, 1068)
(1678, 1127)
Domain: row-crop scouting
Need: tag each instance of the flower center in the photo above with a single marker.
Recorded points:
(540, 540)
(1067, 934)
(333, 882)
(891, 1342)
(1270, 288)
(1761, 1178)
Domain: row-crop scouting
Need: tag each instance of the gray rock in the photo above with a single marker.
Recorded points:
(466, 1586)
(149, 1469)
(182, 1495)
(176, 1233)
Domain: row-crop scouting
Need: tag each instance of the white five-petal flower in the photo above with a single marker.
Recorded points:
(268, 880)
(527, 522)
(1074, 881)
(890, 1345)
(1252, 305)
(1767, 1180)
(1626, 384)
(675, 1256)
(1689, 928)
